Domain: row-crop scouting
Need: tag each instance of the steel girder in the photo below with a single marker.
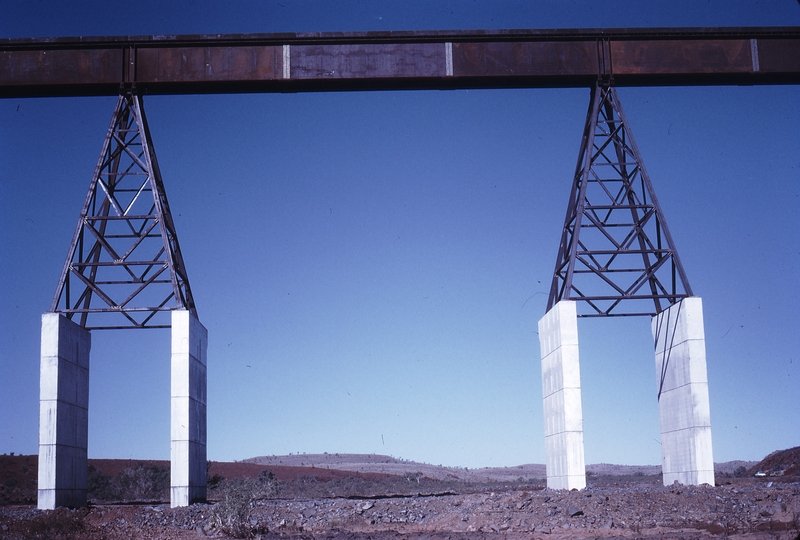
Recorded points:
(616, 255)
(124, 265)
(396, 60)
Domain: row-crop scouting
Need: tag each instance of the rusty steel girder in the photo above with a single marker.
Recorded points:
(398, 60)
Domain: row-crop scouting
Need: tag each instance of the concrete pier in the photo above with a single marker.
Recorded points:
(682, 383)
(188, 410)
(561, 392)
(63, 413)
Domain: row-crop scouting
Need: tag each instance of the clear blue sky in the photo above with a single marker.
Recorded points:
(362, 261)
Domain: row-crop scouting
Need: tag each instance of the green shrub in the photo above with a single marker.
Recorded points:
(232, 514)
(142, 483)
(98, 484)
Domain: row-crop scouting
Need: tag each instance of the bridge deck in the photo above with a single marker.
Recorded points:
(398, 60)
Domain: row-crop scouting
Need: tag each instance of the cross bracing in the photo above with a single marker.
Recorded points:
(616, 255)
(124, 267)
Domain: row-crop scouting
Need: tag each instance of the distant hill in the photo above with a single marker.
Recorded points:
(376, 463)
(780, 463)
(388, 465)
(373, 463)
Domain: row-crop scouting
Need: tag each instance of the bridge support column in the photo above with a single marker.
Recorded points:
(188, 410)
(683, 405)
(63, 413)
(561, 393)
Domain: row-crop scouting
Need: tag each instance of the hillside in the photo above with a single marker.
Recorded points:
(370, 463)
(380, 464)
(780, 463)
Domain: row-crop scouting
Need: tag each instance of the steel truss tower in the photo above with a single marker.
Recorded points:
(124, 267)
(616, 255)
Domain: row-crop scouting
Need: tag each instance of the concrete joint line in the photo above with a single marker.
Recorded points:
(61, 401)
(685, 428)
(562, 390)
(683, 386)
(62, 445)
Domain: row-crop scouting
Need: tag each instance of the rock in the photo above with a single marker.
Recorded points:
(574, 511)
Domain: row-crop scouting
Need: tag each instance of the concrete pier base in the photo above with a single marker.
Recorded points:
(683, 405)
(561, 392)
(188, 410)
(63, 413)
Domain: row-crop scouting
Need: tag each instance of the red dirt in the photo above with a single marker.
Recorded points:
(18, 479)
(317, 503)
(780, 463)
(236, 469)
(287, 474)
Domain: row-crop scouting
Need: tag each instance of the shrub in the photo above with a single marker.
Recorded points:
(98, 484)
(232, 514)
(142, 483)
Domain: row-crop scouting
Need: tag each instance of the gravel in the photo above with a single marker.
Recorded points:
(743, 509)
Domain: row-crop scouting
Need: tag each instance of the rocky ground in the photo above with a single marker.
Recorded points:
(317, 504)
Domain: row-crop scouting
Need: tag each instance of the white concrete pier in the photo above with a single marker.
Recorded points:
(63, 413)
(561, 392)
(682, 383)
(188, 410)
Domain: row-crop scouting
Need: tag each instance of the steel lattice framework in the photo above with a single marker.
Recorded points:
(124, 265)
(616, 255)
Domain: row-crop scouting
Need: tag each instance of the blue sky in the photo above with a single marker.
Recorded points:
(369, 265)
